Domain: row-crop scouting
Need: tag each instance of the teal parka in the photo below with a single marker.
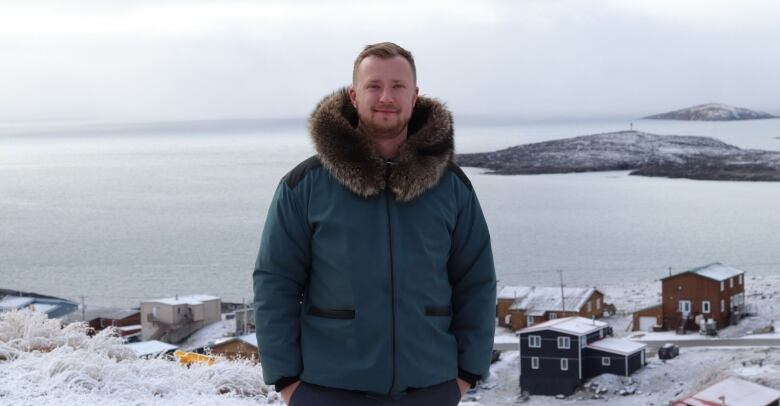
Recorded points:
(375, 276)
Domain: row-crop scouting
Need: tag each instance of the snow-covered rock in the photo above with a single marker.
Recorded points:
(644, 153)
(712, 112)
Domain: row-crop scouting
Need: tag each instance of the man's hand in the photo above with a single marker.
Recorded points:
(463, 385)
(288, 390)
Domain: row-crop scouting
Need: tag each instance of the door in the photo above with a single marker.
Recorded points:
(646, 323)
(685, 308)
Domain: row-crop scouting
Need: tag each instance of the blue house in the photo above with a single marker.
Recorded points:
(52, 307)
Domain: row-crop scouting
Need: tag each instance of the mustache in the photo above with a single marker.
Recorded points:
(393, 109)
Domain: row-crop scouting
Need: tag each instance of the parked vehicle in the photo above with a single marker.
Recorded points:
(668, 351)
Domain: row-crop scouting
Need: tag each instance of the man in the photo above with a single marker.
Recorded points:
(375, 282)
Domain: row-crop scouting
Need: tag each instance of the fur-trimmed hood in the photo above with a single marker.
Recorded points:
(352, 159)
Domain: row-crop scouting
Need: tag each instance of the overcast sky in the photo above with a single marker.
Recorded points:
(171, 60)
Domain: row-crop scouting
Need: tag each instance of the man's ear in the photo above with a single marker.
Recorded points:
(352, 96)
(416, 93)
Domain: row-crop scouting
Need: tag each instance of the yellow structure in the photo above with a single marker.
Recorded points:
(188, 358)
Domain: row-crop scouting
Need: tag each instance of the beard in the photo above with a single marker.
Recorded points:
(378, 125)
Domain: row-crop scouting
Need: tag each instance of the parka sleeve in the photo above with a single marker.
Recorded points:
(473, 279)
(279, 278)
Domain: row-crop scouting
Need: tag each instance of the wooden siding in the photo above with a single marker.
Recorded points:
(697, 289)
(236, 349)
(656, 311)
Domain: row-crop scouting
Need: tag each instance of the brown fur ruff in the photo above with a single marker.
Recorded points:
(352, 159)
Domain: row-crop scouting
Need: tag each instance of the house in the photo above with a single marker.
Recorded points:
(713, 291)
(244, 346)
(151, 348)
(556, 356)
(173, 319)
(522, 306)
(126, 322)
(244, 319)
(733, 392)
(52, 307)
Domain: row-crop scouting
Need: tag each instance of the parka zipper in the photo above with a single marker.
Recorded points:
(388, 168)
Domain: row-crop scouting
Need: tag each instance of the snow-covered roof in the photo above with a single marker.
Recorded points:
(189, 300)
(129, 328)
(209, 334)
(44, 307)
(513, 292)
(617, 346)
(15, 302)
(715, 271)
(150, 347)
(250, 339)
(737, 392)
(570, 325)
(538, 300)
(718, 271)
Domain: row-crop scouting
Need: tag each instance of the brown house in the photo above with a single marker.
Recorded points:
(712, 292)
(518, 307)
(237, 347)
(126, 322)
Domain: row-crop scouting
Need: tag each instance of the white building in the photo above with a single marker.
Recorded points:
(173, 319)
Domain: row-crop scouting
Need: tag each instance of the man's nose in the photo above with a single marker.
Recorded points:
(386, 96)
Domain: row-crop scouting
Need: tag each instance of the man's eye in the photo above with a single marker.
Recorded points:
(398, 86)
(373, 86)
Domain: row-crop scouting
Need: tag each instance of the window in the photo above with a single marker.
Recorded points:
(564, 343)
(529, 321)
(590, 308)
(534, 362)
(583, 341)
(721, 286)
(740, 279)
(601, 333)
(598, 303)
(705, 306)
(535, 341)
(606, 361)
(564, 364)
(722, 305)
(553, 316)
(731, 282)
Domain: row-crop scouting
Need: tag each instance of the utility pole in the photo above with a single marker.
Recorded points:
(563, 298)
(83, 309)
(245, 314)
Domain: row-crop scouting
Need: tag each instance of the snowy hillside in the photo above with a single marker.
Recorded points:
(712, 112)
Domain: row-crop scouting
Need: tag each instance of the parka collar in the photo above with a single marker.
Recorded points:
(352, 159)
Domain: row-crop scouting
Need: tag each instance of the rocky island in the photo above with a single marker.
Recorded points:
(711, 112)
(642, 153)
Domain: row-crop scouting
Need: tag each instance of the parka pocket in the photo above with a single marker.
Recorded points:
(442, 311)
(338, 314)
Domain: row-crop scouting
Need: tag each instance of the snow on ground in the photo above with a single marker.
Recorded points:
(44, 364)
(208, 334)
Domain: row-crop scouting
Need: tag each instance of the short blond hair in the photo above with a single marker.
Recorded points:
(384, 50)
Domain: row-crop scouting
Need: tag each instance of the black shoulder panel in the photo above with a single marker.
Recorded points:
(452, 166)
(299, 172)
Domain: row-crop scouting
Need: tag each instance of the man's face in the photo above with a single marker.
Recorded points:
(384, 94)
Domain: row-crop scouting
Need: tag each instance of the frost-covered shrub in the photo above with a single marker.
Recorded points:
(43, 361)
